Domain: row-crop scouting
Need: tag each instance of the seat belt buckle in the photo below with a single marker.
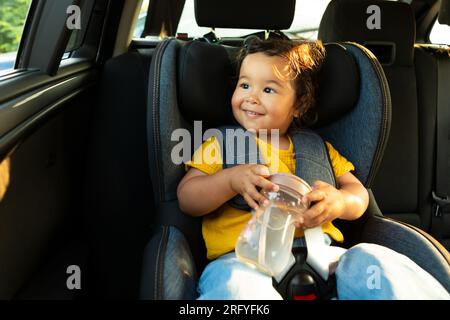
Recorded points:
(439, 203)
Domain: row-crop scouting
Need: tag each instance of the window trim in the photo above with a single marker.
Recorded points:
(45, 39)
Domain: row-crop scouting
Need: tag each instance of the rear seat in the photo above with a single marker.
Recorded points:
(119, 201)
(406, 178)
(396, 185)
(432, 64)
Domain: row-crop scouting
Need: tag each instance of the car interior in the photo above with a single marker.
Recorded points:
(87, 117)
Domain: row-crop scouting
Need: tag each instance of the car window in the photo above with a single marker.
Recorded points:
(13, 14)
(140, 24)
(79, 28)
(305, 24)
(440, 33)
(75, 41)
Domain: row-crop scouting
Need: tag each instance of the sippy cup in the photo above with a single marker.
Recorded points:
(266, 241)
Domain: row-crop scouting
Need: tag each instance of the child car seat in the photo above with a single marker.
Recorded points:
(192, 81)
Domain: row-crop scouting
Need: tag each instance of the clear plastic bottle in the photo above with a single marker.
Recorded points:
(266, 241)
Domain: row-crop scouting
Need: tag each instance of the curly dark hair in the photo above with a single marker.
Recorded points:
(304, 58)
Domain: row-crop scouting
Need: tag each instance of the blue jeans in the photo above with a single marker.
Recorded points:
(365, 272)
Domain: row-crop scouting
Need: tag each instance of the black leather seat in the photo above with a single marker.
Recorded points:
(406, 179)
(396, 186)
(432, 65)
(118, 202)
(194, 81)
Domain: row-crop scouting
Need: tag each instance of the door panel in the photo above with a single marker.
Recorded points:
(22, 113)
(45, 108)
(41, 208)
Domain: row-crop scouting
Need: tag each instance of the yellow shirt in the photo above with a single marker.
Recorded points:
(221, 228)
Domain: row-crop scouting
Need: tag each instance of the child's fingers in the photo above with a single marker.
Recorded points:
(250, 201)
(317, 221)
(256, 196)
(314, 211)
(319, 184)
(299, 222)
(264, 183)
(313, 196)
(261, 170)
(314, 215)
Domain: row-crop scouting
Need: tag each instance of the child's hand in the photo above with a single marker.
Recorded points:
(327, 204)
(246, 177)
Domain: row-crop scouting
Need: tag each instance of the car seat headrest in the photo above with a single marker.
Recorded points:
(206, 80)
(444, 12)
(205, 83)
(249, 14)
(387, 28)
(338, 89)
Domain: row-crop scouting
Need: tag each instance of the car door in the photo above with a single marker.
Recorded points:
(45, 106)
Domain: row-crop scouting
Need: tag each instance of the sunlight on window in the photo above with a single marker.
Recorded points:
(440, 34)
(12, 19)
(144, 7)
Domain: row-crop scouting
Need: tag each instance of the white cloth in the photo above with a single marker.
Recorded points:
(321, 257)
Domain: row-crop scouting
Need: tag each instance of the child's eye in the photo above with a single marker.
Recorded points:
(244, 85)
(269, 90)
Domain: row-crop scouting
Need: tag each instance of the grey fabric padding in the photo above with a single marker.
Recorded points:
(180, 278)
(359, 135)
(169, 214)
(169, 119)
(168, 269)
(409, 242)
(312, 160)
(163, 118)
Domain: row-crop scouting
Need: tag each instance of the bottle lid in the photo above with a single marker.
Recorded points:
(291, 181)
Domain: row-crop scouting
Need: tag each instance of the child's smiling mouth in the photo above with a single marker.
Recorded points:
(252, 114)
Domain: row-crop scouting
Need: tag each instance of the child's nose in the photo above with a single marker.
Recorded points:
(251, 99)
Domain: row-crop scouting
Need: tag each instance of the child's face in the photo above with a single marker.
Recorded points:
(264, 97)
